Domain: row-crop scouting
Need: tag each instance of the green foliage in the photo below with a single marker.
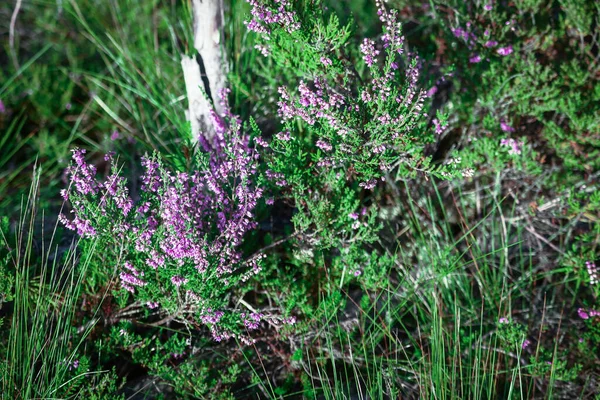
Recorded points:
(431, 217)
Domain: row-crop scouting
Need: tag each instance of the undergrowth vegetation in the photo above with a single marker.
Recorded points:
(399, 199)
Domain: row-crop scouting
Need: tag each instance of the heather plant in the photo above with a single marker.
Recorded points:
(507, 76)
(350, 119)
(176, 250)
(361, 113)
(414, 182)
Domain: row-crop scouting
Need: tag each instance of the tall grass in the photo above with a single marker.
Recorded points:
(433, 332)
(140, 89)
(40, 355)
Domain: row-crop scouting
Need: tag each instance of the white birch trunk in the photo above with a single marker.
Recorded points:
(208, 26)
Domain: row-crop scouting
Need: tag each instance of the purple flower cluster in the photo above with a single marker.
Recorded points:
(131, 278)
(370, 184)
(587, 314)
(464, 34)
(412, 77)
(83, 175)
(505, 51)
(179, 280)
(117, 190)
(367, 48)
(326, 61)
(506, 127)
(276, 177)
(439, 127)
(265, 14)
(211, 317)
(336, 109)
(83, 227)
(263, 49)
(202, 216)
(515, 147)
(476, 58)
(324, 145)
(73, 365)
(323, 102)
(83, 184)
(392, 37)
(467, 35)
(184, 221)
(252, 320)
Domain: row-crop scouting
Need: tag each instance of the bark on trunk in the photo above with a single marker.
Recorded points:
(208, 26)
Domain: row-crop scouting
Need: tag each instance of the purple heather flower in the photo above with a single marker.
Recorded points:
(83, 227)
(439, 128)
(197, 218)
(152, 305)
(365, 96)
(369, 52)
(505, 127)
(211, 317)
(525, 344)
(115, 135)
(503, 320)
(74, 365)
(583, 314)
(131, 280)
(326, 61)
(179, 280)
(515, 147)
(353, 216)
(379, 149)
(460, 33)
(370, 184)
(488, 7)
(265, 15)
(323, 145)
(2, 107)
(285, 136)
(109, 156)
(504, 51)
(82, 174)
(253, 320)
(491, 43)
(357, 272)
(261, 142)
(475, 59)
